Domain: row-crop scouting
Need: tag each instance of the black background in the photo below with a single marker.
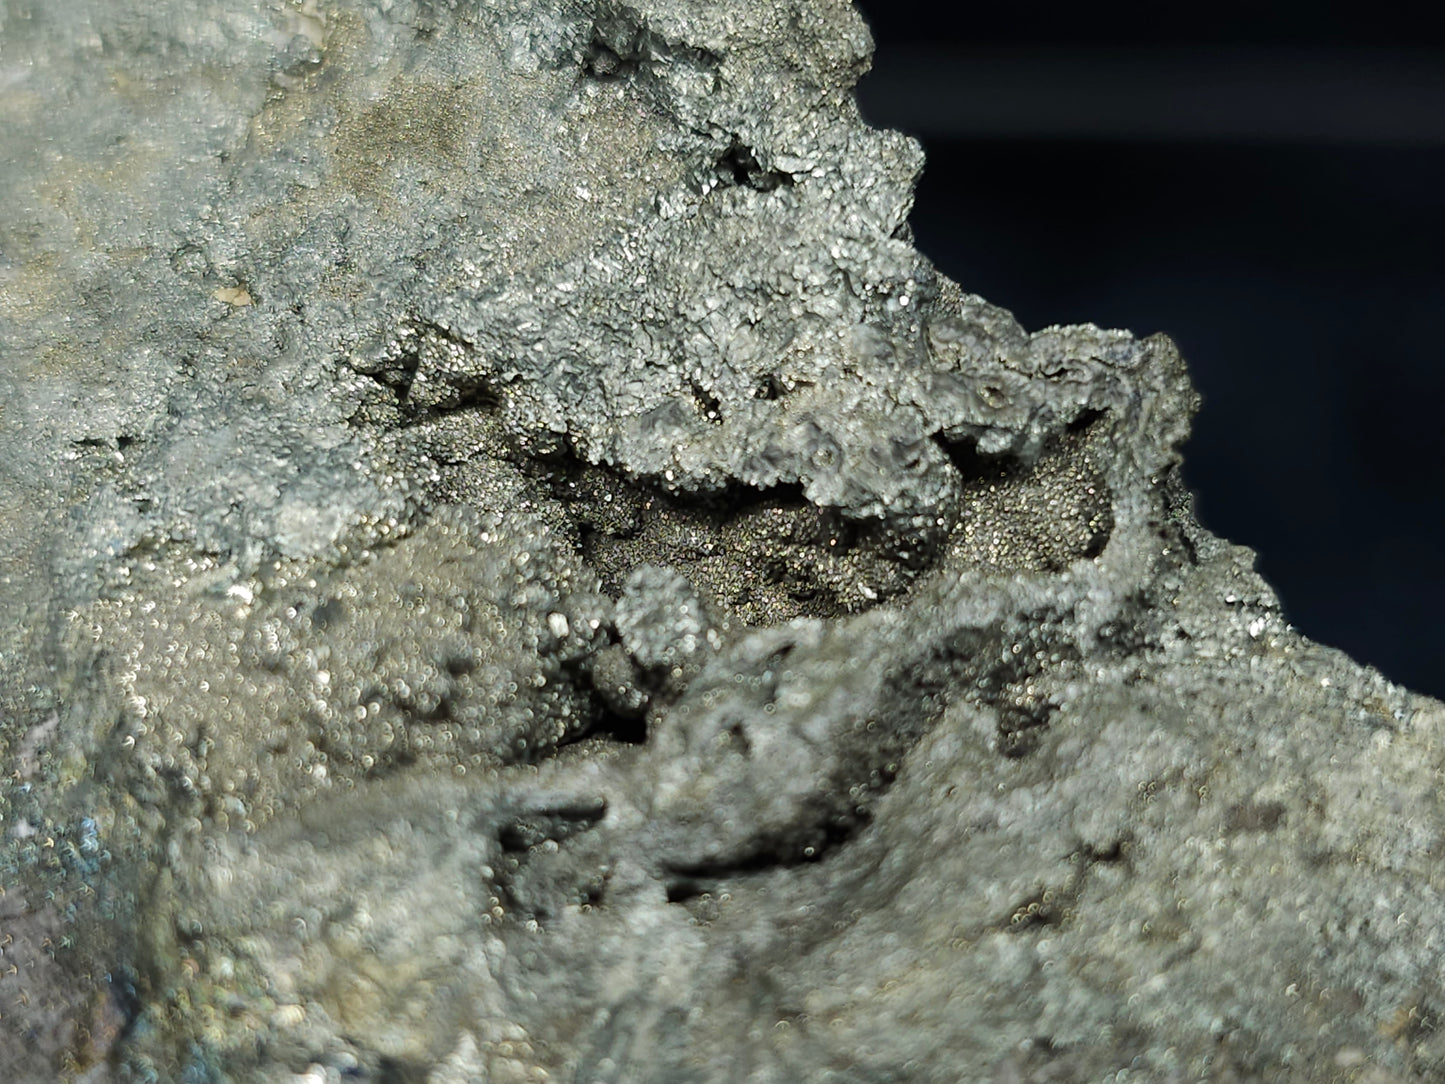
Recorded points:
(1266, 184)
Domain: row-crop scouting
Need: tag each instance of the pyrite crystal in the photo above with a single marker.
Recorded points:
(516, 570)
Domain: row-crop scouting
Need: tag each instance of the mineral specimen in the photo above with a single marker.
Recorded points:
(520, 571)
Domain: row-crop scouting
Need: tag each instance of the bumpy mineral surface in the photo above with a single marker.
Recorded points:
(515, 569)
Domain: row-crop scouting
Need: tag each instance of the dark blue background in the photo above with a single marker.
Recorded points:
(1266, 185)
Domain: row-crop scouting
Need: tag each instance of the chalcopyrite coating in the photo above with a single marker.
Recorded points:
(515, 569)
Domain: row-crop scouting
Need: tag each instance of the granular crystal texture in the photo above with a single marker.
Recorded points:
(521, 571)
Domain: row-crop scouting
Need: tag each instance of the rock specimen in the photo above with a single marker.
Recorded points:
(519, 571)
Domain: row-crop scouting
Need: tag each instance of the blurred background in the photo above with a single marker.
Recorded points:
(1265, 182)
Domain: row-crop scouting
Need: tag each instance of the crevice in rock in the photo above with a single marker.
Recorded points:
(686, 881)
(92, 442)
(538, 889)
(766, 555)
(1085, 420)
(558, 823)
(1117, 851)
(622, 46)
(738, 165)
(396, 372)
(967, 459)
(685, 890)
(424, 355)
(1017, 516)
(401, 1071)
(599, 61)
(614, 726)
(472, 393)
(833, 800)
(769, 388)
(708, 404)
(619, 698)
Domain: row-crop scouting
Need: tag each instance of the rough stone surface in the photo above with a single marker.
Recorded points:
(515, 570)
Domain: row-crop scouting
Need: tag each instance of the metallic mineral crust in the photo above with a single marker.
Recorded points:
(515, 569)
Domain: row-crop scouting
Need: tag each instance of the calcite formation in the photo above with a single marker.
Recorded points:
(516, 569)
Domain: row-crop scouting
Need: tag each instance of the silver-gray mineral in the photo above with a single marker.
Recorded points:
(513, 568)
